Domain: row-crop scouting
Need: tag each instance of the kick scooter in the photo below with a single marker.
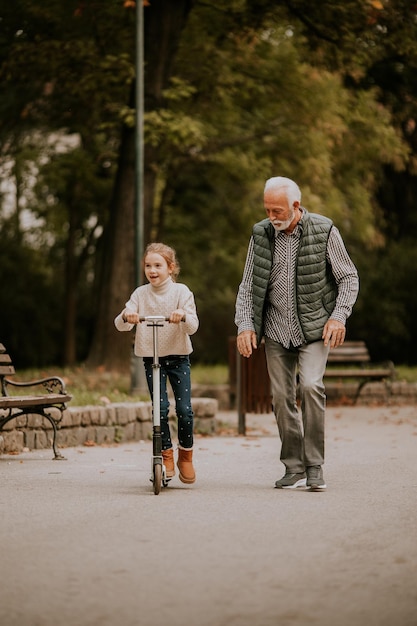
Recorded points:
(158, 475)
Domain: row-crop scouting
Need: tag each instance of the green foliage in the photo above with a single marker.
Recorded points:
(256, 89)
(31, 296)
(387, 307)
(333, 141)
(65, 75)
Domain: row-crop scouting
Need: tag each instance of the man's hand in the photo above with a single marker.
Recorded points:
(334, 333)
(246, 342)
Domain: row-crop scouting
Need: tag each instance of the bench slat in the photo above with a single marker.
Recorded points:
(350, 351)
(348, 355)
(6, 366)
(344, 358)
(358, 373)
(353, 344)
(25, 401)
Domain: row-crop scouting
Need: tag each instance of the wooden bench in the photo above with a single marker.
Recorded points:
(49, 404)
(250, 389)
(351, 361)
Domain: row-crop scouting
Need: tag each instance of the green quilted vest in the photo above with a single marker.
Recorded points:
(315, 287)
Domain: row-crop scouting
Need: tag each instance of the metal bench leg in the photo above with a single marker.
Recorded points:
(388, 389)
(387, 383)
(57, 455)
(359, 389)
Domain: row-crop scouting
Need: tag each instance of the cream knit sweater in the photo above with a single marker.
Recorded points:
(162, 300)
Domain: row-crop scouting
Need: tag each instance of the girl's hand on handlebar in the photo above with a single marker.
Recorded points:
(177, 316)
(131, 318)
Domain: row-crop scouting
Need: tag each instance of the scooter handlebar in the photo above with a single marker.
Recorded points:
(156, 318)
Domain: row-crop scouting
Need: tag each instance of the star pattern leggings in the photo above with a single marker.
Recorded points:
(177, 370)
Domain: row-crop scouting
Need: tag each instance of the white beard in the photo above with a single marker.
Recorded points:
(284, 225)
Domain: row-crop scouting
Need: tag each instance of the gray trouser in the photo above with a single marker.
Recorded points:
(302, 438)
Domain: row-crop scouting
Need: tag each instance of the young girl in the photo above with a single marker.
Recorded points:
(163, 296)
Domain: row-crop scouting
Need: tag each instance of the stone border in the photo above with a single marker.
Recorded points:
(131, 421)
(98, 425)
(396, 392)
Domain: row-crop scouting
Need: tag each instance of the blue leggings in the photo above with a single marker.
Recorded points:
(177, 370)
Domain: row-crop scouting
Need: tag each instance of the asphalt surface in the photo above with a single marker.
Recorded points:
(85, 542)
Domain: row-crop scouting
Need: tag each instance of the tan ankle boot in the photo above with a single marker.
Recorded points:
(185, 465)
(168, 459)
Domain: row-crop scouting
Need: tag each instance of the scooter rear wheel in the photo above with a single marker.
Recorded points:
(157, 478)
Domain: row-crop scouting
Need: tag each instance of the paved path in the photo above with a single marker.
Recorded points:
(84, 542)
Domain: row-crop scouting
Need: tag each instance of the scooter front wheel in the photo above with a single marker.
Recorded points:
(157, 478)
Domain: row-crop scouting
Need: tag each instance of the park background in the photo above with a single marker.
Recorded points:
(234, 92)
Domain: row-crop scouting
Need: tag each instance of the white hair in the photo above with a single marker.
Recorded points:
(291, 188)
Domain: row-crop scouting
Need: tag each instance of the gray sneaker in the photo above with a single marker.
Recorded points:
(315, 480)
(291, 481)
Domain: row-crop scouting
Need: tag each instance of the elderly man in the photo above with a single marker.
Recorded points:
(298, 289)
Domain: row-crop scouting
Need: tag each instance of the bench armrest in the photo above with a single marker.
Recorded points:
(390, 365)
(52, 384)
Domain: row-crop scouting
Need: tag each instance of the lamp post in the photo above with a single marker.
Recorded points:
(139, 209)
(138, 382)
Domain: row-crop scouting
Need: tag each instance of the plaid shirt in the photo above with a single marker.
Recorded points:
(280, 323)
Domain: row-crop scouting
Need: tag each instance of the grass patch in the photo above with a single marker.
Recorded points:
(210, 374)
(406, 373)
(99, 387)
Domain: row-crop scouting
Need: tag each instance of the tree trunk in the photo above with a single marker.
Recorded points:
(111, 349)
